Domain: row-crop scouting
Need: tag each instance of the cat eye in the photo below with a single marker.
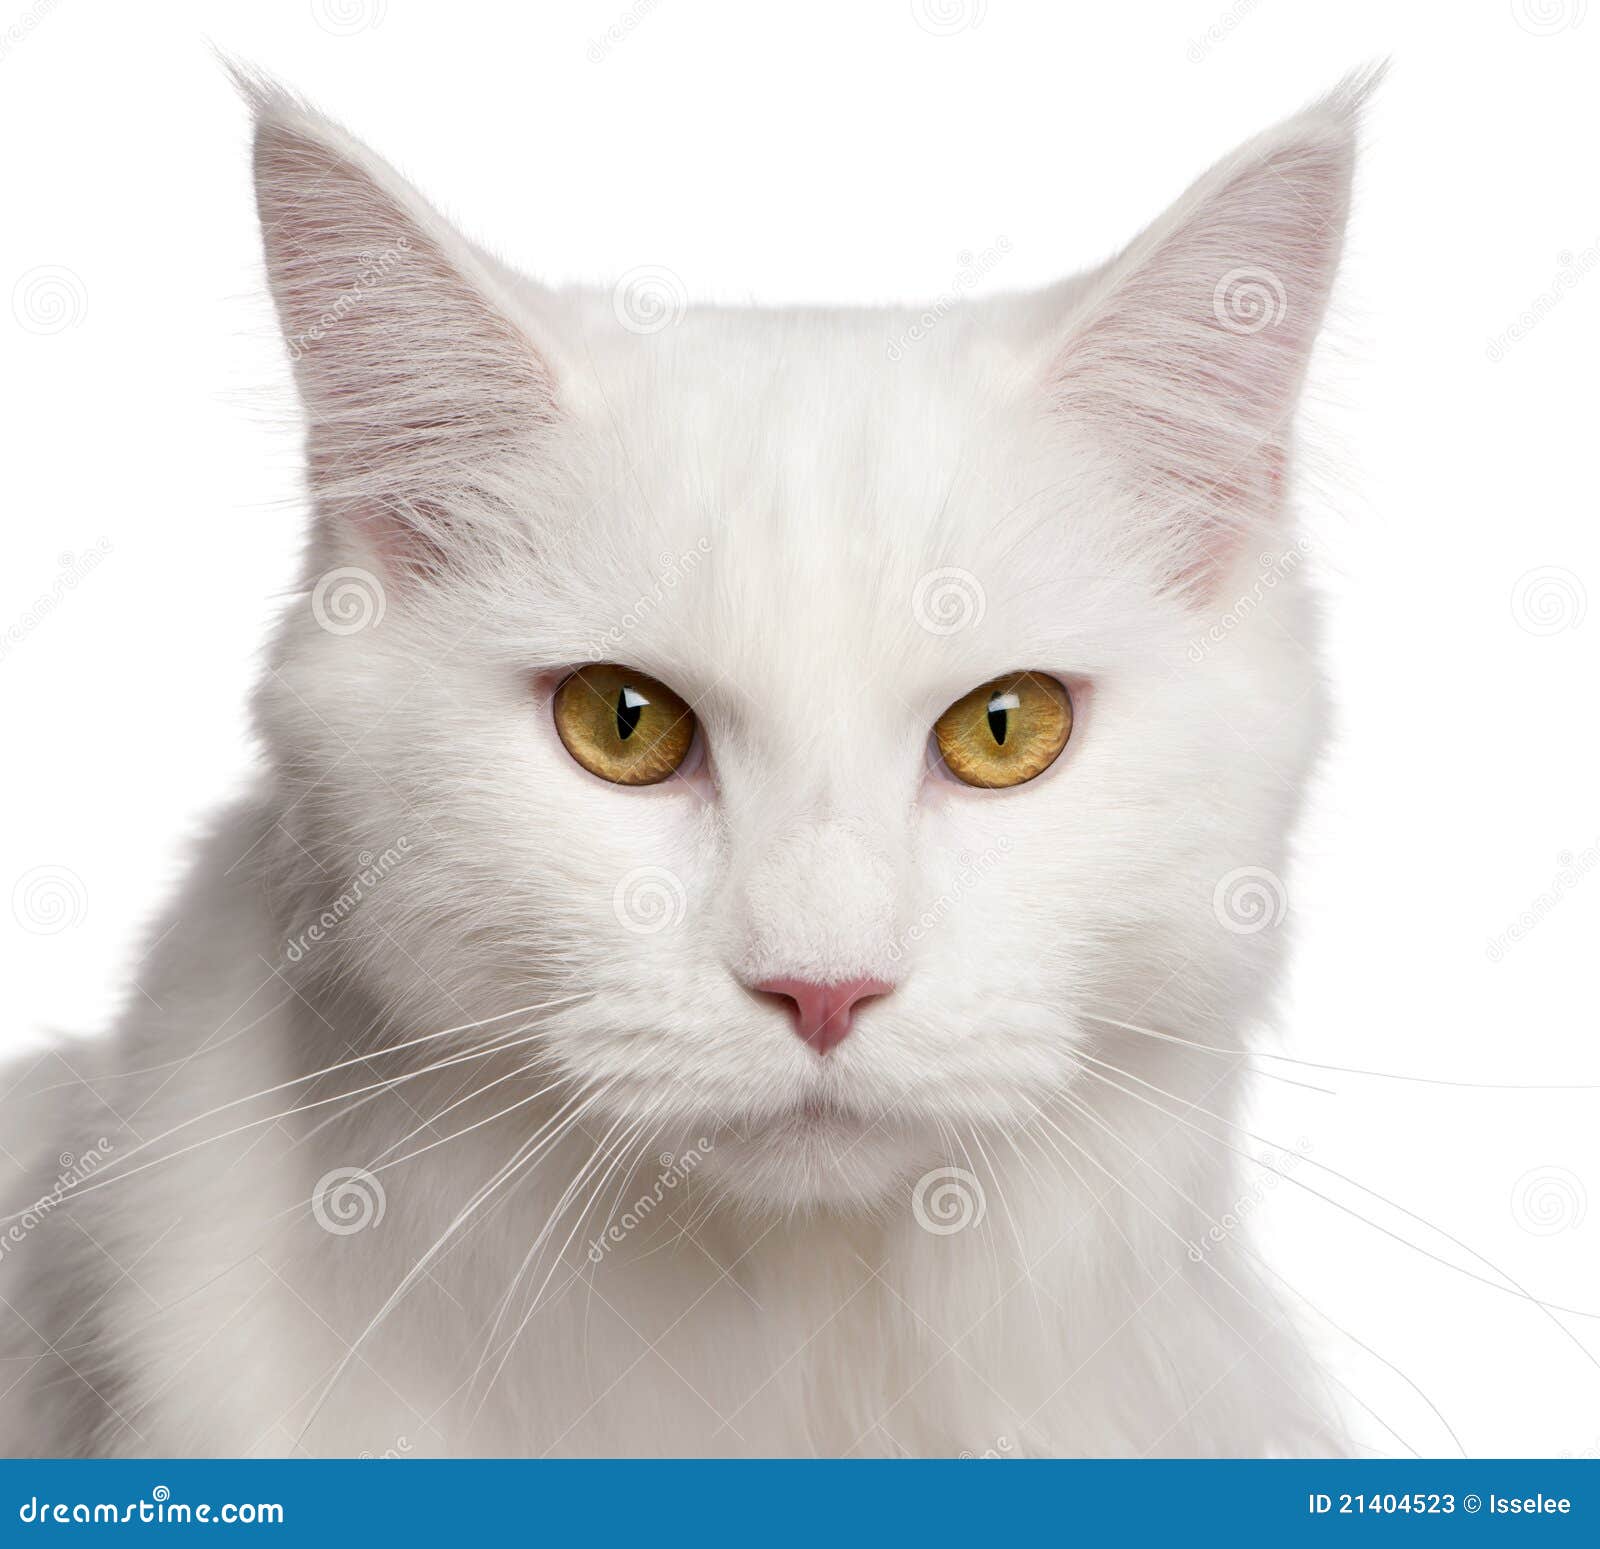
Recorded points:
(623, 726)
(1007, 732)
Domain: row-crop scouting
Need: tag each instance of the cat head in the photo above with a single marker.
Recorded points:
(628, 626)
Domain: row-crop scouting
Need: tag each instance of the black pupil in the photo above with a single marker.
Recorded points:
(628, 714)
(999, 719)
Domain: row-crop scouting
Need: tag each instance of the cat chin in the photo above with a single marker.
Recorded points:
(813, 1161)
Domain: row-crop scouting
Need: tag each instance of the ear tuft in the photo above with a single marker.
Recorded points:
(418, 384)
(1187, 361)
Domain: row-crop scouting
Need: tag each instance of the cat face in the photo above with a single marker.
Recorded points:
(777, 547)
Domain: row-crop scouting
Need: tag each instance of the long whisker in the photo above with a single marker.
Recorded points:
(1122, 1183)
(101, 1078)
(603, 1149)
(105, 1179)
(1094, 1118)
(1344, 1070)
(520, 1158)
(1512, 1286)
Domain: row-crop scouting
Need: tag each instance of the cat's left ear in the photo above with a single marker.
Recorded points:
(1184, 365)
(424, 393)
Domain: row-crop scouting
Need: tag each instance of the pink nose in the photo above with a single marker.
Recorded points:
(822, 1012)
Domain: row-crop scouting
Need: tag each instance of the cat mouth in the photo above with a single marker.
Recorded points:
(818, 1118)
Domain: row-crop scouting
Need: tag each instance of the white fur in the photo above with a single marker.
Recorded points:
(746, 505)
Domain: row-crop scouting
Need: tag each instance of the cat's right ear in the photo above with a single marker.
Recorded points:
(422, 391)
(1185, 364)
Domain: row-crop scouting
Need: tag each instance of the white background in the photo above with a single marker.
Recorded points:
(853, 152)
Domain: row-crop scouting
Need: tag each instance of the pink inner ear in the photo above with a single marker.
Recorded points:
(419, 388)
(1189, 366)
(402, 548)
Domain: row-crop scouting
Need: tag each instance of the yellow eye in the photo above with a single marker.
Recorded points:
(1006, 732)
(623, 726)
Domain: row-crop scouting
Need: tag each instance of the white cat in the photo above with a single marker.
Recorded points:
(462, 1110)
